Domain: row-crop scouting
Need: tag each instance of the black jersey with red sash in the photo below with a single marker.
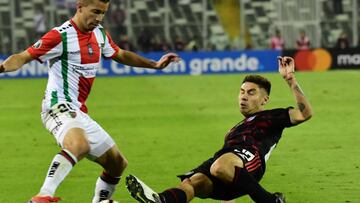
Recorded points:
(252, 140)
(260, 131)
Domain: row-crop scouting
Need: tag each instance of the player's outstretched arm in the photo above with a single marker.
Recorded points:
(303, 111)
(15, 62)
(132, 59)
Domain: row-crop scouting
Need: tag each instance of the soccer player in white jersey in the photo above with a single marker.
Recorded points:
(73, 51)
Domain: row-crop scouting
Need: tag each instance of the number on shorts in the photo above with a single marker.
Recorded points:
(245, 154)
(64, 108)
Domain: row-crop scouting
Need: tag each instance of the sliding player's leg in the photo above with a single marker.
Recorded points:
(114, 163)
(198, 185)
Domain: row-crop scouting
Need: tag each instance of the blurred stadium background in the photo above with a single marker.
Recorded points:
(213, 24)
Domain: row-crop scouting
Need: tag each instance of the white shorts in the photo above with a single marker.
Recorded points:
(64, 116)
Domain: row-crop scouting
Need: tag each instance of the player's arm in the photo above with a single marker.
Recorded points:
(132, 59)
(303, 111)
(15, 61)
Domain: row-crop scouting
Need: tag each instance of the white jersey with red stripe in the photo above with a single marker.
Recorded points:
(73, 60)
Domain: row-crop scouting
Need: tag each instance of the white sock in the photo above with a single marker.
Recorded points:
(58, 170)
(103, 190)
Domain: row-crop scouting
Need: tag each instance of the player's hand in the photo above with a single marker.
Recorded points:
(166, 59)
(286, 67)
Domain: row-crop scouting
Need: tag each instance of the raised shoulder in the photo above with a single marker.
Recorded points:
(64, 27)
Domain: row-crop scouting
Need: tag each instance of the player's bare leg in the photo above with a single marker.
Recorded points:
(229, 168)
(76, 142)
(224, 167)
(75, 147)
(114, 163)
(198, 185)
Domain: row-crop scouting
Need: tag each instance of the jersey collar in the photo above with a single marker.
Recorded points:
(77, 28)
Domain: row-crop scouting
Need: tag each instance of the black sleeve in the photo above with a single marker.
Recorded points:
(280, 117)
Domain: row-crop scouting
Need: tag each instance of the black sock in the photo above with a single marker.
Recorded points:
(173, 195)
(247, 183)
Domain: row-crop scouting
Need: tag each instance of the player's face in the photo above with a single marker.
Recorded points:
(251, 98)
(93, 14)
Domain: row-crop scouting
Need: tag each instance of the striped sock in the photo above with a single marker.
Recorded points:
(173, 195)
(105, 187)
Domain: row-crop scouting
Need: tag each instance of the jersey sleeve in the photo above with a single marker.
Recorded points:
(110, 49)
(48, 47)
(281, 117)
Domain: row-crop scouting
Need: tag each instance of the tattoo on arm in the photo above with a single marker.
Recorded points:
(301, 107)
(298, 89)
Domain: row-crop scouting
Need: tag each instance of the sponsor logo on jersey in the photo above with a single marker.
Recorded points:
(74, 52)
(85, 71)
(37, 44)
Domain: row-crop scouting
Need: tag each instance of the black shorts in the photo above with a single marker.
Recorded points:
(253, 162)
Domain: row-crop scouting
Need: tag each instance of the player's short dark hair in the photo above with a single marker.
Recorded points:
(259, 80)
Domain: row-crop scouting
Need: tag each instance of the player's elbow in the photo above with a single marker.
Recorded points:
(300, 116)
(120, 57)
(308, 114)
(306, 117)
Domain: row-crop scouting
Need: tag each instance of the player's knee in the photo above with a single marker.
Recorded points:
(123, 162)
(186, 184)
(80, 150)
(117, 158)
(218, 170)
(79, 146)
(188, 188)
(222, 172)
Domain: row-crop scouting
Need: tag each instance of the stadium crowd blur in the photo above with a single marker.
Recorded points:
(190, 38)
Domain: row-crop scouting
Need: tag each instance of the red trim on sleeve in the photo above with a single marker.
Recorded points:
(45, 44)
(115, 54)
(113, 45)
(33, 55)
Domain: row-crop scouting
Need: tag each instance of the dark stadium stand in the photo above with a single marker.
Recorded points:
(186, 19)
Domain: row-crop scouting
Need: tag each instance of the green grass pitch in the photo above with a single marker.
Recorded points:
(168, 125)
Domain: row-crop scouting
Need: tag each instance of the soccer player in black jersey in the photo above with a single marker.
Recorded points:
(236, 169)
